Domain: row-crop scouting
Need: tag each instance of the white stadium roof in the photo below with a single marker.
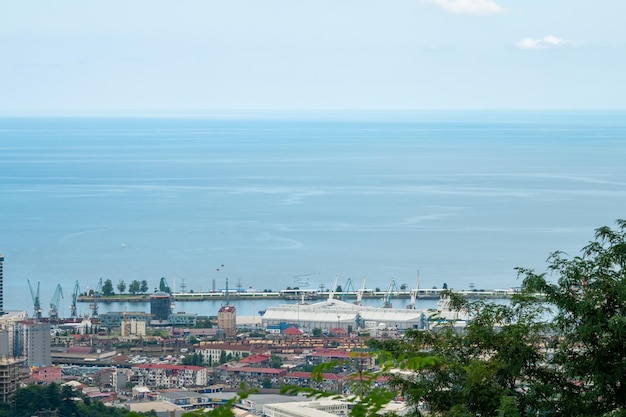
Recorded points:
(336, 312)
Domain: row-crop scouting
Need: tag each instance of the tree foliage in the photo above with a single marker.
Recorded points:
(590, 321)
(107, 288)
(557, 349)
(276, 361)
(195, 359)
(134, 287)
(32, 400)
(478, 368)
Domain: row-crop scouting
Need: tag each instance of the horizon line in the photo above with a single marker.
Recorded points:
(149, 113)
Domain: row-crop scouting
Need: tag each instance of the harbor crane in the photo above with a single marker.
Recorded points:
(414, 293)
(74, 300)
(54, 303)
(359, 294)
(331, 292)
(35, 297)
(345, 291)
(96, 297)
(390, 290)
(164, 287)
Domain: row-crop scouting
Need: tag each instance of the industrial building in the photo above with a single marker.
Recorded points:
(336, 314)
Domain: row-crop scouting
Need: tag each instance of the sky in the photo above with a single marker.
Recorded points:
(118, 55)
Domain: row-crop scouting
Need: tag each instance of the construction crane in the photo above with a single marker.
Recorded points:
(96, 297)
(74, 300)
(36, 303)
(390, 290)
(54, 303)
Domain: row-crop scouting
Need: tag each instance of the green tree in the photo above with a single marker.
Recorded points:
(53, 399)
(266, 383)
(107, 288)
(496, 357)
(134, 287)
(193, 359)
(204, 324)
(121, 286)
(317, 332)
(276, 361)
(143, 286)
(590, 321)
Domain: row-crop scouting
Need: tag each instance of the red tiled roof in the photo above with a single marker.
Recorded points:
(338, 330)
(255, 358)
(292, 331)
(299, 375)
(79, 349)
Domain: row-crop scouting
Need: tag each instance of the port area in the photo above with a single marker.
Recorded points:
(297, 295)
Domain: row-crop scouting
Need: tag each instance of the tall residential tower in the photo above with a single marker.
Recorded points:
(1, 286)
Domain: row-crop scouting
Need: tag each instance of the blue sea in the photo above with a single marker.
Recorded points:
(271, 200)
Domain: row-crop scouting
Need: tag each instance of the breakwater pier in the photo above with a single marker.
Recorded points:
(296, 294)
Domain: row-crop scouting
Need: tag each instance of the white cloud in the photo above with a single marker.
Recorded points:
(543, 43)
(473, 7)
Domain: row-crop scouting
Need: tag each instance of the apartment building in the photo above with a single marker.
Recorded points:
(169, 376)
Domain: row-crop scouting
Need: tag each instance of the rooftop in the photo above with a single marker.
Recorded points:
(169, 367)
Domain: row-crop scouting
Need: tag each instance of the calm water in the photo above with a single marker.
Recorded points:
(244, 307)
(463, 197)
